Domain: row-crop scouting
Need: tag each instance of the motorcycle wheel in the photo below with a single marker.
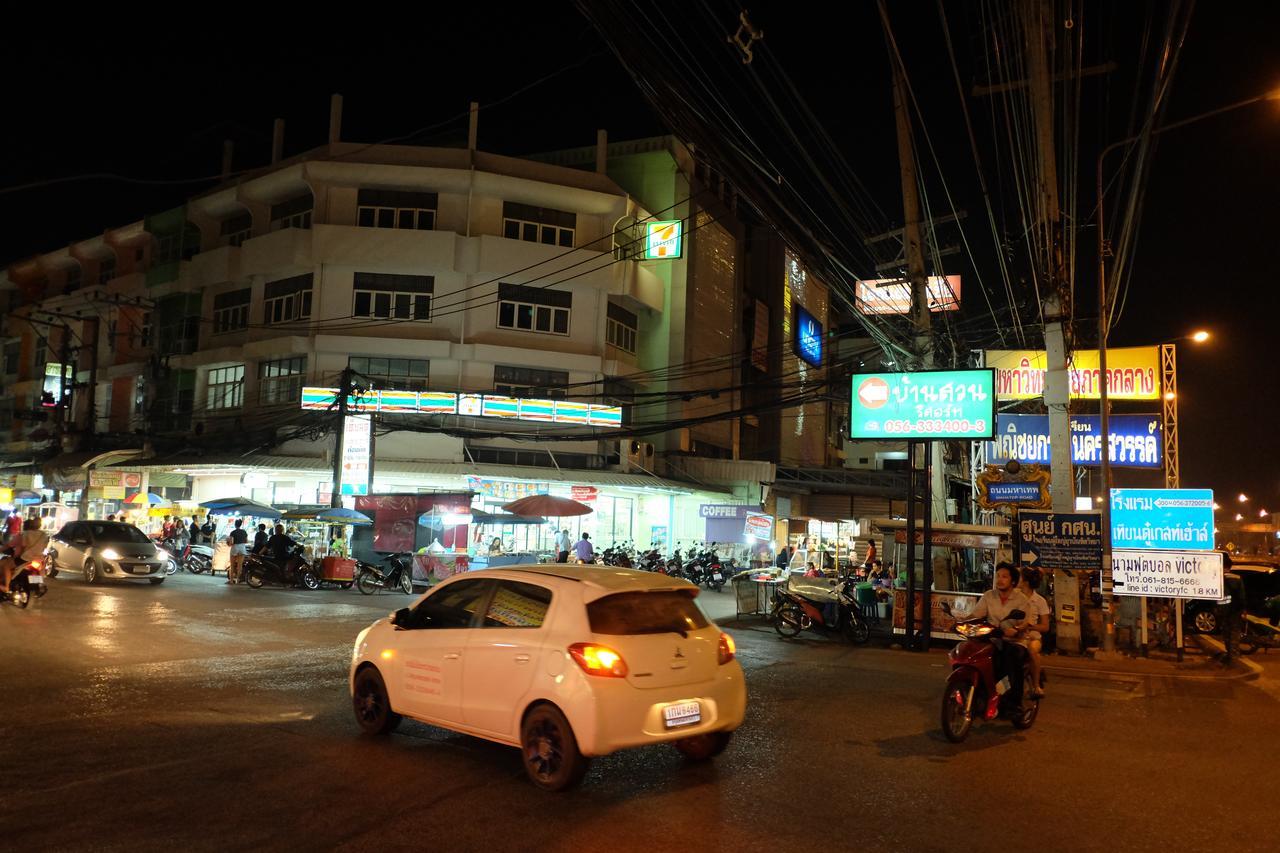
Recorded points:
(310, 581)
(197, 566)
(253, 577)
(1025, 717)
(367, 583)
(406, 582)
(955, 697)
(788, 621)
(856, 630)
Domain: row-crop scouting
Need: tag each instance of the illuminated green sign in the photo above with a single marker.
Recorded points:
(663, 241)
(931, 404)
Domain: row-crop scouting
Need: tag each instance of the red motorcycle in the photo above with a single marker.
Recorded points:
(972, 687)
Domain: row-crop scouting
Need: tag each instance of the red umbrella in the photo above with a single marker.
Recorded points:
(546, 505)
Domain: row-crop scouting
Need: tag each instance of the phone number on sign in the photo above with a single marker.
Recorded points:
(934, 427)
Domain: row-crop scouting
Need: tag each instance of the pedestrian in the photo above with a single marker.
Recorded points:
(260, 539)
(871, 554)
(207, 530)
(338, 544)
(564, 542)
(1230, 613)
(1036, 622)
(583, 550)
(195, 531)
(238, 539)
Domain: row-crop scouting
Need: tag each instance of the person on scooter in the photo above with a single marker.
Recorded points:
(260, 540)
(29, 546)
(995, 606)
(1036, 622)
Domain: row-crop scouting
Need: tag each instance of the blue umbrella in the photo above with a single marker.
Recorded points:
(330, 515)
(240, 506)
(27, 497)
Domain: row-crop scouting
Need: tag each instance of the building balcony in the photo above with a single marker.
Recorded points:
(376, 248)
(284, 252)
(215, 266)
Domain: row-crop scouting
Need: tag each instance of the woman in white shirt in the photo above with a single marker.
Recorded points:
(1036, 621)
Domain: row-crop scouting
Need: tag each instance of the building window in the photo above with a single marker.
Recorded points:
(396, 209)
(144, 334)
(280, 382)
(294, 213)
(621, 328)
(287, 300)
(106, 269)
(237, 229)
(231, 311)
(534, 309)
(226, 388)
(529, 382)
(390, 374)
(139, 395)
(538, 224)
(387, 296)
(12, 354)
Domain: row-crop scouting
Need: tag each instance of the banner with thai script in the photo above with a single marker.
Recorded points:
(508, 490)
(1134, 373)
(1136, 440)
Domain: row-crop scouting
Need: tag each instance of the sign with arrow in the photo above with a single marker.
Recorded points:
(1070, 541)
(1162, 519)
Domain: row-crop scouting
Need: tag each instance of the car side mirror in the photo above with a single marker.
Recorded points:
(400, 618)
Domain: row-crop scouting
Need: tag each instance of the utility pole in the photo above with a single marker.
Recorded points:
(344, 391)
(1037, 23)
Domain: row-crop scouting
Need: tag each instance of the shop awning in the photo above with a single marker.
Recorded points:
(392, 467)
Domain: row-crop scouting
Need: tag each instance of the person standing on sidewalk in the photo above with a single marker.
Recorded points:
(1232, 610)
(563, 543)
(238, 539)
(583, 550)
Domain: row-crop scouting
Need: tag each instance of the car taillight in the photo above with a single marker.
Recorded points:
(599, 660)
(728, 649)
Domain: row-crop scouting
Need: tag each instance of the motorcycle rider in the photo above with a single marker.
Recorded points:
(995, 605)
(27, 547)
(280, 546)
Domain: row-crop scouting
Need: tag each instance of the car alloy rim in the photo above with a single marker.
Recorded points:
(544, 753)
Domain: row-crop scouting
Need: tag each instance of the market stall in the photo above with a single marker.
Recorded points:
(501, 539)
(325, 533)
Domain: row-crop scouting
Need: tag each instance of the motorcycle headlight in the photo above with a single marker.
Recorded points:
(973, 629)
(110, 554)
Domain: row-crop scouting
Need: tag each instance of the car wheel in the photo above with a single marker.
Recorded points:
(703, 747)
(91, 571)
(310, 581)
(1205, 621)
(157, 581)
(552, 759)
(372, 705)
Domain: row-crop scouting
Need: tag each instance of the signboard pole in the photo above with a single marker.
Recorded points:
(927, 556)
(910, 635)
(344, 390)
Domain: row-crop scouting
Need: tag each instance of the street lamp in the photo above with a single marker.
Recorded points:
(1239, 517)
(1244, 499)
(1108, 614)
(1200, 336)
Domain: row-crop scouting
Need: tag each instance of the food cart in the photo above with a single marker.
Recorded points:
(314, 525)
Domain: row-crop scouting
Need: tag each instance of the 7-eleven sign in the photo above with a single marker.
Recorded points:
(663, 240)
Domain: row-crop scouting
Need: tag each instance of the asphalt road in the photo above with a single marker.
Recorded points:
(196, 716)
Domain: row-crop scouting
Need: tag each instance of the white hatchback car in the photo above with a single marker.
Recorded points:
(565, 662)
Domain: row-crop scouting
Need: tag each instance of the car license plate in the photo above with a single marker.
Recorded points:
(717, 576)
(684, 714)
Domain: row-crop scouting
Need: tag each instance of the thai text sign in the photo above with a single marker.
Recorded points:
(1071, 541)
(1167, 574)
(1014, 493)
(893, 296)
(473, 405)
(760, 526)
(932, 404)
(357, 441)
(1133, 373)
(1162, 519)
(507, 489)
(1136, 441)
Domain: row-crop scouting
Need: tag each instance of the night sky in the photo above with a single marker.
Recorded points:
(152, 104)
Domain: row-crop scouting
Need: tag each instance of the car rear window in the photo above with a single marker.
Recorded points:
(118, 533)
(645, 613)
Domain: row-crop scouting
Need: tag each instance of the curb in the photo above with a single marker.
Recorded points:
(1252, 669)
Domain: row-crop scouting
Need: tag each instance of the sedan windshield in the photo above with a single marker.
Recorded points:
(108, 532)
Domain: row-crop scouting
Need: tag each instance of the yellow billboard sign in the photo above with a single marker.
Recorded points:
(1133, 373)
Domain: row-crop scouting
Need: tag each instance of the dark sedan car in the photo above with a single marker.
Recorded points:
(1261, 579)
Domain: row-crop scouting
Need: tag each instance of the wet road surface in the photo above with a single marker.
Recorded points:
(197, 716)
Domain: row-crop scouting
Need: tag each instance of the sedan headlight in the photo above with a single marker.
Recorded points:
(110, 554)
(162, 553)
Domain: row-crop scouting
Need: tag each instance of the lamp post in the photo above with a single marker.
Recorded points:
(1108, 613)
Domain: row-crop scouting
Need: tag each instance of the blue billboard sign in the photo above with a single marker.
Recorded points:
(1136, 441)
(1162, 519)
(808, 337)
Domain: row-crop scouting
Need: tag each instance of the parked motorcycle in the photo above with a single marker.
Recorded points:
(618, 555)
(371, 578)
(709, 570)
(197, 559)
(973, 689)
(793, 613)
(295, 571)
(28, 581)
(650, 561)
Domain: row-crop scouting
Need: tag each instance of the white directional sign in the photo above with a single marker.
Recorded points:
(1167, 574)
